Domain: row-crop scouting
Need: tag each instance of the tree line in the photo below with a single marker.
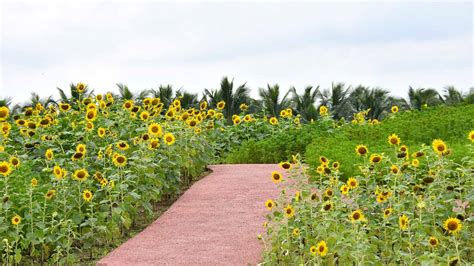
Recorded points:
(343, 101)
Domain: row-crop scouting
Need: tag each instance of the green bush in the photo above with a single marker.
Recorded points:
(415, 128)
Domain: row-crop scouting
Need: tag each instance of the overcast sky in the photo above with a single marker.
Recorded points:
(45, 45)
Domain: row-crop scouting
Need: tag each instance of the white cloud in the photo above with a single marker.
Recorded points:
(49, 45)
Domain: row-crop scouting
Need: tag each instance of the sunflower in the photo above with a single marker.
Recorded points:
(5, 168)
(452, 225)
(49, 154)
(273, 121)
(328, 192)
(289, 211)
(322, 248)
(91, 115)
(15, 161)
(285, 165)
(87, 195)
(236, 120)
(415, 162)
(192, 123)
(50, 194)
(81, 148)
(470, 136)
(394, 109)
(394, 169)
(101, 132)
(248, 118)
(313, 250)
(344, 189)
(439, 146)
(387, 212)
(243, 107)
(361, 150)
(357, 216)
(155, 130)
(403, 221)
(323, 160)
(16, 220)
(4, 113)
(119, 160)
(128, 105)
(393, 139)
(169, 139)
(375, 158)
(276, 177)
(352, 183)
(81, 175)
(323, 110)
(320, 170)
(203, 105)
(433, 241)
(81, 87)
(77, 156)
(220, 105)
(58, 172)
(418, 154)
(335, 165)
(269, 204)
(327, 206)
(123, 145)
(153, 144)
(34, 182)
(296, 232)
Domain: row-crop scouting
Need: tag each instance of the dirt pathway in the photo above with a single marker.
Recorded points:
(215, 222)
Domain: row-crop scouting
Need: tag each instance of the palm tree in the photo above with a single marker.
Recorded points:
(187, 99)
(375, 99)
(337, 100)
(126, 94)
(233, 99)
(75, 95)
(271, 103)
(419, 97)
(35, 99)
(165, 93)
(452, 96)
(305, 104)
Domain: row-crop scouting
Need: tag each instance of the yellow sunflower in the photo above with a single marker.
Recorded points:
(393, 139)
(327, 206)
(273, 121)
(128, 105)
(394, 169)
(375, 158)
(433, 241)
(323, 160)
(452, 225)
(119, 160)
(169, 139)
(470, 136)
(81, 175)
(289, 211)
(344, 189)
(144, 115)
(439, 146)
(296, 232)
(357, 216)
(14, 161)
(244, 107)
(81, 148)
(335, 165)
(77, 156)
(276, 177)
(101, 132)
(4, 113)
(394, 109)
(323, 110)
(387, 212)
(403, 222)
(203, 105)
(313, 250)
(285, 165)
(269, 204)
(34, 182)
(352, 183)
(322, 248)
(361, 150)
(155, 130)
(5, 168)
(49, 154)
(123, 145)
(81, 87)
(415, 162)
(50, 194)
(91, 115)
(220, 105)
(154, 144)
(87, 195)
(16, 220)
(58, 172)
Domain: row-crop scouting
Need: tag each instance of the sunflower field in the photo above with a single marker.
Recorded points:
(78, 174)
(402, 206)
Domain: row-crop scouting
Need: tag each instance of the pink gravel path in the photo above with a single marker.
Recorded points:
(215, 222)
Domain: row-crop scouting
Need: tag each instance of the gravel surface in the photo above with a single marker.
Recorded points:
(215, 222)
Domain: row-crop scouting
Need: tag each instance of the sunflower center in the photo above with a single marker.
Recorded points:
(3, 169)
(321, 248)
(120, 159)
(356, 216)
(452, 226)
(288, 211)
(440, 147)
(433, 241)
